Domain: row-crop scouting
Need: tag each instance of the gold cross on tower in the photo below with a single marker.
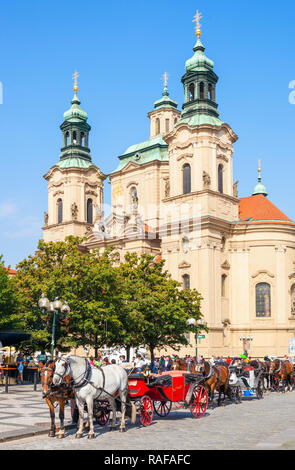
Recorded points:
(165, 79)
(196, 20)
(75, 76)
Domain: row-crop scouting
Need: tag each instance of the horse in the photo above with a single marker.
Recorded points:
(216, 377)
(181, 364)
(283, 370)
(90, 383)
(54, 395)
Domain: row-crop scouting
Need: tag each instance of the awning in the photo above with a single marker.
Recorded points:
(9, 338)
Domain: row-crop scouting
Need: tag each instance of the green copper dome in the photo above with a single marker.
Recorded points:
(259, 188)
(165, 101)
(199, 60)
(75, 113)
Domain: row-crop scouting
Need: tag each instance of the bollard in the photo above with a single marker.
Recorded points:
(6, 381)
(35, 381)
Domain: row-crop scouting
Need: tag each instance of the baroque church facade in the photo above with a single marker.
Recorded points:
(173, 196)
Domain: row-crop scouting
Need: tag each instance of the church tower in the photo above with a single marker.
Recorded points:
(75, 184)
(197, 216)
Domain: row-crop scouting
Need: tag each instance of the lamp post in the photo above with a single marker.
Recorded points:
(55, 308)
(246, 342)
(197, 326)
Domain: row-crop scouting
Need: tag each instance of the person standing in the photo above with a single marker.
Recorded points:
(20, 362)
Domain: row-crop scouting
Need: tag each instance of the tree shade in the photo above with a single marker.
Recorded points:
(9, 338)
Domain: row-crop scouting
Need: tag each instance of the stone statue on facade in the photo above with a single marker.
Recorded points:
(167, 188)
(206, 180)
(74, 210)
(235, 189)
(45, 218)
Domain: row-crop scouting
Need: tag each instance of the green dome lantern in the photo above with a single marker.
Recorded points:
(75, 128)
(259, 188)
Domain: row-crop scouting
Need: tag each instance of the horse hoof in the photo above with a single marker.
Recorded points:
(122, 430)
(60, 436)
(78, 436)
(91, 436)
(51, 434)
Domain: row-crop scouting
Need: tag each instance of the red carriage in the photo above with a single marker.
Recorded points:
(158, 392)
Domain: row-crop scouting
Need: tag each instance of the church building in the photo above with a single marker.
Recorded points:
(173, 196)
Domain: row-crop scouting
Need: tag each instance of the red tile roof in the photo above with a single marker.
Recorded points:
(11, 271)
(260, 208)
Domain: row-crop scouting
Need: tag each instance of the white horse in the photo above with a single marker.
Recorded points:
(92, 383)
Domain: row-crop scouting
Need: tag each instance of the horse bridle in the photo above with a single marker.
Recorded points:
(278, 370)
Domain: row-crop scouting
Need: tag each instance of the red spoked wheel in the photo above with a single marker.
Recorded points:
(162, 408)
(104, 414)
(276, 384)
(199, 401)
(146, 411)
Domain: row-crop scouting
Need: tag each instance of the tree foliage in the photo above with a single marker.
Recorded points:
(8, 301)
(135, 303)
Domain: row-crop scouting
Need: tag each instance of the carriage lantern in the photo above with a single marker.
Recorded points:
(55, 308)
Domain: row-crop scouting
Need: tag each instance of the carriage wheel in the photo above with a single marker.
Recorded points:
(275, 383)
(104, 416)
(146, 411)
(199, 401)
(162, 408)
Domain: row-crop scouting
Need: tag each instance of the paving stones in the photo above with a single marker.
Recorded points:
(254, 424)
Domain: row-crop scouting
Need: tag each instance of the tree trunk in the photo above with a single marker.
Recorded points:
(151, 348)
(128, 349)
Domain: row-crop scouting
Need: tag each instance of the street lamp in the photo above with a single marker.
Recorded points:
(197, 326)
(55, 308)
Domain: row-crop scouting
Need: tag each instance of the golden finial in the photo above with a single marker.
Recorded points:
(165, 79)
(259, 170)
(75, 87)
(196, 20)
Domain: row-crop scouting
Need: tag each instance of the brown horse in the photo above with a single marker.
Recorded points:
(52, 395)
(217, 378)
(181, 364)
(283, 370)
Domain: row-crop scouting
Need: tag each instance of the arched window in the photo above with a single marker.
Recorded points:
(263, 307)
(186, 178)
(157, 126)
(191, 92)
(186, 281)
(82, 135)
(59, 211)
(201, 88)
(89, 211)
(66, 139)
(220, 178)
(223, 240)
(167, 125)
(74, 137)
(210, 92)
(224, 285)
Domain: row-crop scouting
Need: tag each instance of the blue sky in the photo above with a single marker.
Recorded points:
(121, 49)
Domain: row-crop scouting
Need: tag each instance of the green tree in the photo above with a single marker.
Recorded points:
(8, 301)
(154, 307)
(84, 280)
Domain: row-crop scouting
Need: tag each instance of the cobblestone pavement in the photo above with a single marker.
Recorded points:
(254, 424)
